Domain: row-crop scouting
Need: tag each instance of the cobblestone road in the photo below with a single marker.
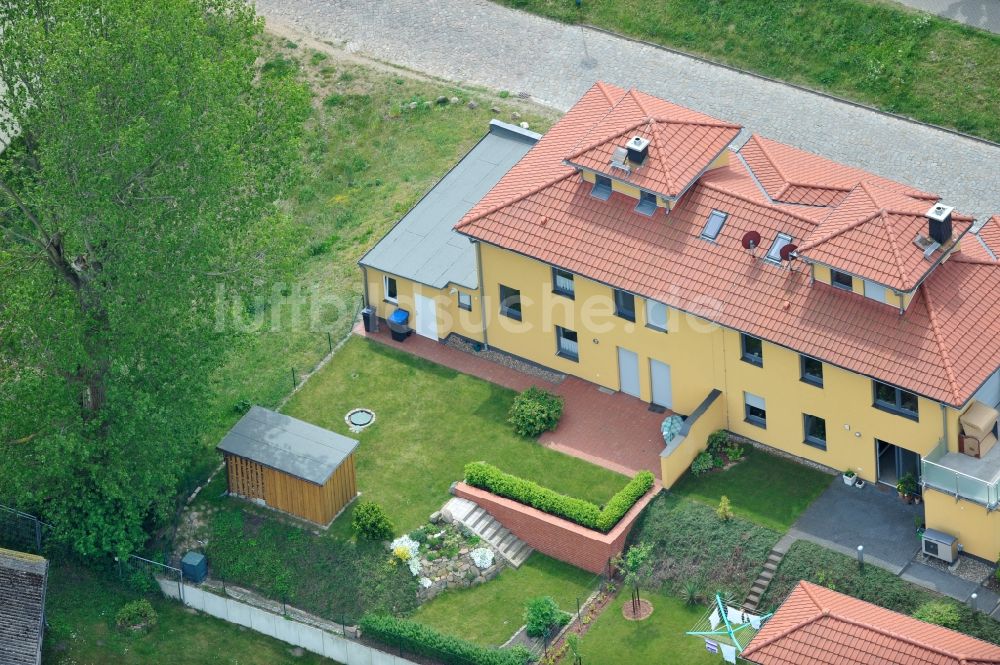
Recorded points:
(478, 42)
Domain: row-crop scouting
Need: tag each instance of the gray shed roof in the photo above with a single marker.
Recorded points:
(22, 607)
(423, 246)
(288, 445)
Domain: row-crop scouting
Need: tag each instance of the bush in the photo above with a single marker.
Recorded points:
(535, 411)
(939, 612)
(420, 640)
(488, 477)
(371, 523)
(725, 511)
(542, 614)
(718, 441)
(702, 464)
(138, 614)
(734, 451)
(242, 406)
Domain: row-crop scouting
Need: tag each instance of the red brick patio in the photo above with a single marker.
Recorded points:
(616, 431)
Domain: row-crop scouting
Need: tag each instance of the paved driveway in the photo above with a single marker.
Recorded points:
(844, 517)
(479, 42)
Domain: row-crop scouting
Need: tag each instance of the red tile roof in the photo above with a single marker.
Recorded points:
(817, 626)
(791, 175)
(682, 142)
(543, 209)
(871, 233)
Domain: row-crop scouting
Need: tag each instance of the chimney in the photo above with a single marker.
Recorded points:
(638, 149)
(939, 223)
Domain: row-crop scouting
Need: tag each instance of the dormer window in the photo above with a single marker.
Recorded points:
(647, 203)
(602, 188)
(714, 225)
(774, 254)
(841, 280)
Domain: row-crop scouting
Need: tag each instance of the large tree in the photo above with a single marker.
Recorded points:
(147, 156)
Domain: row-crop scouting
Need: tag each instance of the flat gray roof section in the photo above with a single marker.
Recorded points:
(288, 445)
(422, 246)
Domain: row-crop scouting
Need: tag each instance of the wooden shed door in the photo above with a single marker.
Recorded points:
(245, 477)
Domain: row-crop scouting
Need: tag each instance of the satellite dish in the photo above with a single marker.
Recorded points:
(787, 253)
(751, 240)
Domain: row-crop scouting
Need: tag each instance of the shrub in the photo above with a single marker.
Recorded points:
(370, 522)
(488, 477)
(725, 511)
(541, 614)
(717, 441)
(691, 593)
(734, 451)
(939, 612)
(623, 501)
(138, 614)
(242, 406)
(535, 411)
(702, 464)
(420, 640)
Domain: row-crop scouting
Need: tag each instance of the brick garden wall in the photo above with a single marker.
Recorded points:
(558, 538)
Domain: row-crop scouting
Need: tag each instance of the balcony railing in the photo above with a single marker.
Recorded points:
(956, 483)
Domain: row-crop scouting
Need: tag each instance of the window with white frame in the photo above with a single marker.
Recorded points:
(465, 301)
(656, 315)
(567, 343)
(389, 289)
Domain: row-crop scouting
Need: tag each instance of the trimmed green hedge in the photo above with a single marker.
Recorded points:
(490, 478)
(420, 640)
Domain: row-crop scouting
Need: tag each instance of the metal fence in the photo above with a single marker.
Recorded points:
(141, 574)
(21, 531)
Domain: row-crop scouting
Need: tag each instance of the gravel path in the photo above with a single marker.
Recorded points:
(475, 41)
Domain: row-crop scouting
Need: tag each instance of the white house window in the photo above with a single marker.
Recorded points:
(567, 344)
(874, 291)
(389, 288)
(465, 301)
(656, 315)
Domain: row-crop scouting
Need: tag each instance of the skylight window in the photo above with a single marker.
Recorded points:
(774, 254)
(714, 225)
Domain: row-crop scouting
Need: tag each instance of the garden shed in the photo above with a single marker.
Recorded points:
(290, 465)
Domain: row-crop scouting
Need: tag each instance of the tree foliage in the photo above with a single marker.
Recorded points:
(142, 180)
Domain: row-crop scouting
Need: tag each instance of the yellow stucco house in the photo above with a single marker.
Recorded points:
(818, 309)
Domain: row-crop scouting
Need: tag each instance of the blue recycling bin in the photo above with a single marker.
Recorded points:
(399, 324)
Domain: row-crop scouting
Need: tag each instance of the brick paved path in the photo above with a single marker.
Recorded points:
(616, 431)
(478, 42)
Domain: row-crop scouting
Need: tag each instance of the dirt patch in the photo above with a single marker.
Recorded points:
(643, 611)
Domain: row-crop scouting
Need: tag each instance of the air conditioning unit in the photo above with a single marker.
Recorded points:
(940, 545)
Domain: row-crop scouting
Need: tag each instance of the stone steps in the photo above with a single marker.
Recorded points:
(484, 525)
(763, 580)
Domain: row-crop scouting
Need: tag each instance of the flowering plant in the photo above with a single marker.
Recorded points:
(482, 557)
(412, 553)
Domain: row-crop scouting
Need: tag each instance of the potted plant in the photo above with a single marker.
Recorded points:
(907, 487)
(849, 477)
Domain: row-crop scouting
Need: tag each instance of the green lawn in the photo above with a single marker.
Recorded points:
(430, 422)
(659, 639)
(870, 51)
(763, 488)
(490, 613)
(367, 159)
(80, 608)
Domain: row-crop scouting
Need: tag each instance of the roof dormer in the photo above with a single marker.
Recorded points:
(652, 145)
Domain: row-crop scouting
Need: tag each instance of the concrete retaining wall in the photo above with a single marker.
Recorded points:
(341, 649)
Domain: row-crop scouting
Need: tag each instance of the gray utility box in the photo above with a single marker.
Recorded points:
(940, 545)
(194, 567)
